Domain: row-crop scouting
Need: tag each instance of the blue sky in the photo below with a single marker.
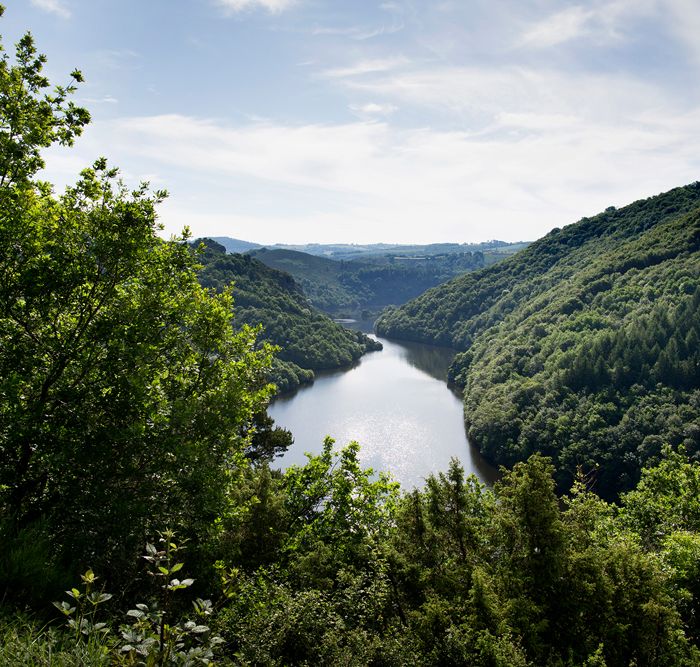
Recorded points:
(395, 121)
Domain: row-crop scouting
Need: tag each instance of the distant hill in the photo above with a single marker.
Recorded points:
(344, 251)
(352, 280)
(363, 287)
(235, 245)
(492, 250)
(308, 340)
(583, 346)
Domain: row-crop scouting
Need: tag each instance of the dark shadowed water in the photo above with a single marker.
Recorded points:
(396, 404)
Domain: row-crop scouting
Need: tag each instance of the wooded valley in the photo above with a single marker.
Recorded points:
(143, 520)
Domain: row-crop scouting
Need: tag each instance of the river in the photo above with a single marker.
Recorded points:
(396, 404)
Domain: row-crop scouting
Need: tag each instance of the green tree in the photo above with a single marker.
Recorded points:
(125, 396)
(30, 117)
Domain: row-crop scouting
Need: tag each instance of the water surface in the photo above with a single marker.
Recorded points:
(396, 404)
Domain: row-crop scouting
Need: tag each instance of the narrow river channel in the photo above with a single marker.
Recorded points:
(396, 404)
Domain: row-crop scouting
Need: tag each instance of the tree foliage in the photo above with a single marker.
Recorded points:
(454, 573)
(125, 395)
(30, 117)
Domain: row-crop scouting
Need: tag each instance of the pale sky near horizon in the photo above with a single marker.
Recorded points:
(391, 121)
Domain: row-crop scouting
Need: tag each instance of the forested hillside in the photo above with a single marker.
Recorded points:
(308, 341)
(583, 346)
(361, 288)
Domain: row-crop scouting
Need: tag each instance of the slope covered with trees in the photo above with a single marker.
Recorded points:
(584, 346)
(362, 287)
(308, 341)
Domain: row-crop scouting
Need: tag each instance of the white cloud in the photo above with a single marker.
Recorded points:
(366, 67)
(272, 6)
(53, 7)
(599, 20)
(106, 99)
(478, 94)
(560, 27)
(373, 109)
(505, 150)
(367, 181)
(364, 32)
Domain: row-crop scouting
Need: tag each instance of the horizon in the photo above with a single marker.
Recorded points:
(361, 245)
(300, 121)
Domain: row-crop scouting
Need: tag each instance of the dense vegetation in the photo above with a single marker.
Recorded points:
(326, 565)
(361, 288)
(583, 346)
(308, 341)
(124, 392)
(132, 407)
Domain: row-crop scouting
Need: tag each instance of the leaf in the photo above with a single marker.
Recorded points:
(89, 577)
(64, 608)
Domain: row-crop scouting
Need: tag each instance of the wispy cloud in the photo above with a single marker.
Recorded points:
(360, 33)
(53, 7)
(514, 117)
(478, 94)
(601, 20)
(272, 6)
(557, 28)
(366, 67)
(106, 99)
(372, 109)
(518, 178)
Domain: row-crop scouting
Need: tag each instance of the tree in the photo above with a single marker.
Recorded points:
(30, 118)
(126, 398)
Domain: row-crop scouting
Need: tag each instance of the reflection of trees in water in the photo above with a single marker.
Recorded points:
(430, 359)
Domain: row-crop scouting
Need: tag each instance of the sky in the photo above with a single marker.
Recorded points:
(399, 121)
